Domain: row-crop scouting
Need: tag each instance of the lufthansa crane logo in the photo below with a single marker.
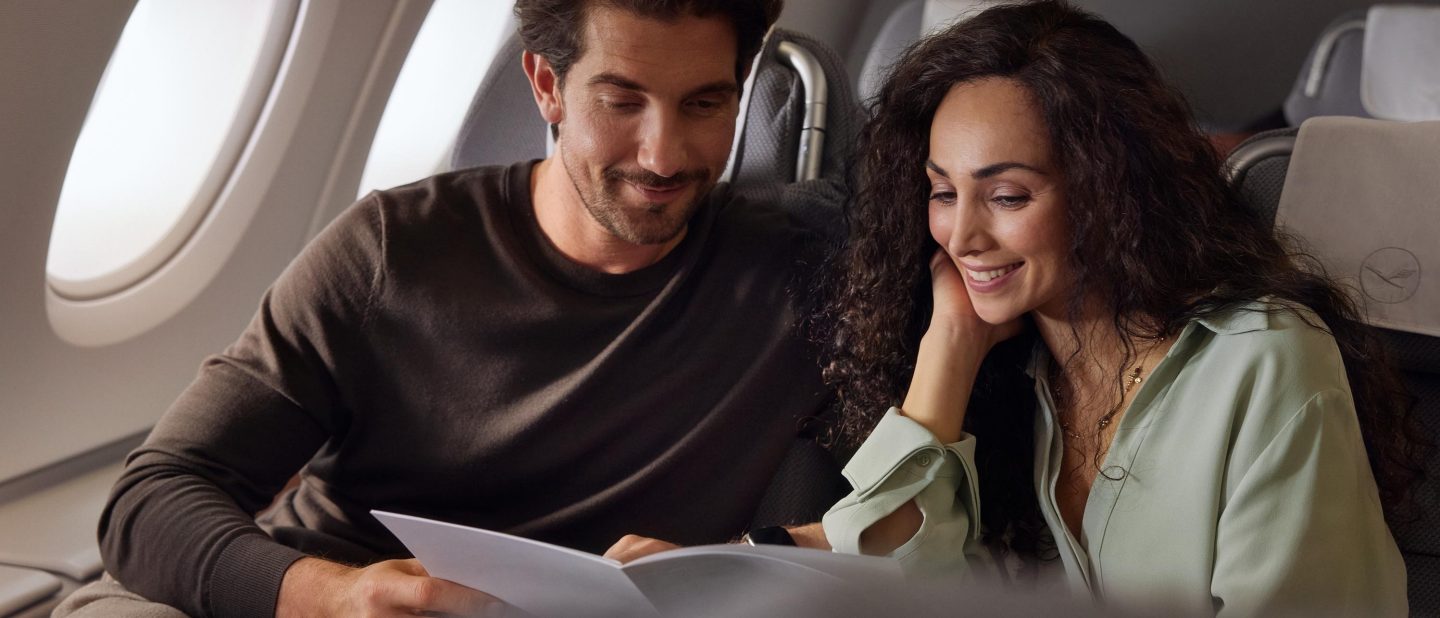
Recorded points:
(1390, 275)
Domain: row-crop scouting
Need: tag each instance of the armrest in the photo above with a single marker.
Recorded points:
(54, 529)
(21, 588)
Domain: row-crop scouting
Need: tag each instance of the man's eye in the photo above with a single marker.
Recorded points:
(707, 105)
(619, 104)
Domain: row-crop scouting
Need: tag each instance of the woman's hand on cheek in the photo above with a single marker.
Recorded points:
(954, 312)
(950, 354)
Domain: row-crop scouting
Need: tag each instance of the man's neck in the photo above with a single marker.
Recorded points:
(566, 222)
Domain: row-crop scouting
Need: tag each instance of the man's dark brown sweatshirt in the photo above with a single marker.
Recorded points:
(431, 353)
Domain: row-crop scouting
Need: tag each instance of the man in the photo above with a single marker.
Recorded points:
(596, 344)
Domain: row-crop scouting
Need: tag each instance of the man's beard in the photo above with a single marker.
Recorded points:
(652, 224)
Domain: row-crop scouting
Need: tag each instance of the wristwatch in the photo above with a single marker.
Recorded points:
(769, 535)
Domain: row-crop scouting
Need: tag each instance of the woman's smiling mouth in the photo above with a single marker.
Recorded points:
(986, 278)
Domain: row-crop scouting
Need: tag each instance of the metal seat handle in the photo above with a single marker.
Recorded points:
(812, 126)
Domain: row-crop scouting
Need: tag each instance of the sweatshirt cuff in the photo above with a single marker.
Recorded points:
(245, 580)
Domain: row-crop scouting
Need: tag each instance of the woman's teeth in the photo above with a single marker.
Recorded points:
(987, 275)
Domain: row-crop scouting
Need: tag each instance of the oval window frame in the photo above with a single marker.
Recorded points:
(263, 75)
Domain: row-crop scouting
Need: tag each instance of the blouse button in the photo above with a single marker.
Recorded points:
(923, 459)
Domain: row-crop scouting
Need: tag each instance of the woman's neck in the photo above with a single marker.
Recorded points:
(1086, 349)
(1084, 342)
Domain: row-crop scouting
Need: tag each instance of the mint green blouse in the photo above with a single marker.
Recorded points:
(1236, 484)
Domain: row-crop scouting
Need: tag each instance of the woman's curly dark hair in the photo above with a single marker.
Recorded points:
(1156, 232)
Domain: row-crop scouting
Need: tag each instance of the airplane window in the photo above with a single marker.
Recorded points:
(444, 68)
(175, 108)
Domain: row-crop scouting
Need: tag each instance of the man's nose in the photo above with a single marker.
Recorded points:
(662, 144)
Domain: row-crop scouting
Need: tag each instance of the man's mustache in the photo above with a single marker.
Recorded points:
(653, 180)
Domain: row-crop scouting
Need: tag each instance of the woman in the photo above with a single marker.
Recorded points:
(1189, 420)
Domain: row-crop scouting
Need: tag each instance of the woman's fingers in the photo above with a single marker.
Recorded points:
(952, 300)
(953, 306)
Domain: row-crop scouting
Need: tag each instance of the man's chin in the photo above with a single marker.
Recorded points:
(649, 232)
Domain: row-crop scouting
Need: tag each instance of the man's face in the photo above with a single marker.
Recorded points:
(648, 118)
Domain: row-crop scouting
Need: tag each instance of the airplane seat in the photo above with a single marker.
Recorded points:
(907, 23)
(502, 125)
(801, 119)
(1356, 191)
(1257, 167)
(1371, 63)
(798, 123)
(1329, 81)
(901, 28)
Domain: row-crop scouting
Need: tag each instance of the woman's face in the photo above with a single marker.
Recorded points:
(997, 200)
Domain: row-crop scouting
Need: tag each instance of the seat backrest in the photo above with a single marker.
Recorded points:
(901, 28)
(1329, 80)
(502, 125)
(1259, 169)
(1372, 63)
(801, 118)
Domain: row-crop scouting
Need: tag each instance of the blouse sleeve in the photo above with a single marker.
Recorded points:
(1304, 527)
(902, 461)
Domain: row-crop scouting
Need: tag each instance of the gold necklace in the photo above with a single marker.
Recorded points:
(1130, 381)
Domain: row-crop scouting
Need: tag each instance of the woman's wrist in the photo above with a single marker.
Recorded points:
(945, 372)
(955, 330)
(953, 344)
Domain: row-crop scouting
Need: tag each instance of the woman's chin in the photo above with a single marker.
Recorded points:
(996, 314)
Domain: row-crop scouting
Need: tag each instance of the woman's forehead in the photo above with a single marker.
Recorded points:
(987, 121)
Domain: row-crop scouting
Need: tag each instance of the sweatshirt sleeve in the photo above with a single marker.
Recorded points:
(902, 461)
(1304, 529)
(179, 526)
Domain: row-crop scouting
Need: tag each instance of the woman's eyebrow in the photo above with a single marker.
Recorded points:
(996, 168)
(989, 170)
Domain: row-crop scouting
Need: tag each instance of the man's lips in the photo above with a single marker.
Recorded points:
(659, 194)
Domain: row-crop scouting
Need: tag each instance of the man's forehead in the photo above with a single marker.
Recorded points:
(651, 51)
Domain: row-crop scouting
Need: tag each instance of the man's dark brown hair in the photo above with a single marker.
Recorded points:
(554, 28)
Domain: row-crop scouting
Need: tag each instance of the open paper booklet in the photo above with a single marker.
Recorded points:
(710, 580)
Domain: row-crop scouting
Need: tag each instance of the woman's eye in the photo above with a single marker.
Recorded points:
(1011, 201)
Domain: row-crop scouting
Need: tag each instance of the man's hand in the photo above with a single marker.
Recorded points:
(314, 587)
(632, 546)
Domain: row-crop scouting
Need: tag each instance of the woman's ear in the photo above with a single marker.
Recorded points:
(545, 85)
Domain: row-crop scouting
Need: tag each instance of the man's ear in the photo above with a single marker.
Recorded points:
(545, 85)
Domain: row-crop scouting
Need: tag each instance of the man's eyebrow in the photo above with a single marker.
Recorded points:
(615, 80)
(988, 170)
(720, 87)
(716, 87)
